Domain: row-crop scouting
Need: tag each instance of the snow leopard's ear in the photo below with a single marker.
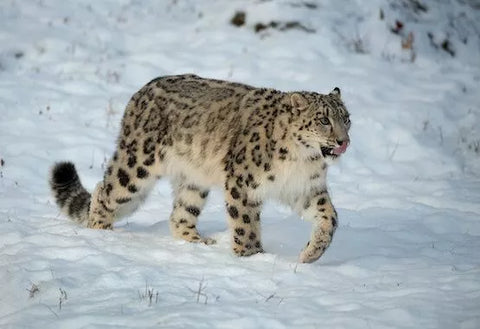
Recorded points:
(336, 92)
(298, 101)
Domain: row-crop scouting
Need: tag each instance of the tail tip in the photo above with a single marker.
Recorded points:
(63, 173)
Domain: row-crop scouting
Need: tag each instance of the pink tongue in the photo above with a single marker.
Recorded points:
(340, 149)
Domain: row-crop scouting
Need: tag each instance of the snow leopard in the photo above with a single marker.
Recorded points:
(254, 143)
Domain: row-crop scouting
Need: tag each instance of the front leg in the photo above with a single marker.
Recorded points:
(318, 208)
(243, 218)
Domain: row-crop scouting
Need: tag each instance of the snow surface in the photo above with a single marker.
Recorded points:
(407, 250)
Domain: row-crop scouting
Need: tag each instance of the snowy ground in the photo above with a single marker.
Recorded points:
(407, 251)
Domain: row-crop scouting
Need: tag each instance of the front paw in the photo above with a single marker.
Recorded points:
(310, 253)
(247, 248)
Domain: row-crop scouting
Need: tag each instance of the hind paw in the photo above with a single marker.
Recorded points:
(100, 225)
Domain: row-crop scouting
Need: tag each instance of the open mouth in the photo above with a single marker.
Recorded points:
(328, 151)
(334, 152)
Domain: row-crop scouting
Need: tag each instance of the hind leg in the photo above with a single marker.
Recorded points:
(125, 184)
(243, 213)
(189, 202)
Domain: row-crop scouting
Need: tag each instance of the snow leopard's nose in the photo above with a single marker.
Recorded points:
(342, 146)
(345, 141)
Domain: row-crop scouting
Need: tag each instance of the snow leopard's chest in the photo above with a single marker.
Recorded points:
(291, 180)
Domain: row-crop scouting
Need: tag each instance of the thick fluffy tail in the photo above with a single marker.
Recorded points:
(72, 198)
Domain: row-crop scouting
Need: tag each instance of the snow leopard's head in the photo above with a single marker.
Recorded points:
(322, 123)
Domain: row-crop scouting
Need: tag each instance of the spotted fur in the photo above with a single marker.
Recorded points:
(255, 143)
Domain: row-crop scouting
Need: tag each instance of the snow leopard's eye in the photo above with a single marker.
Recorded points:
(324, 121)
(346, 120)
